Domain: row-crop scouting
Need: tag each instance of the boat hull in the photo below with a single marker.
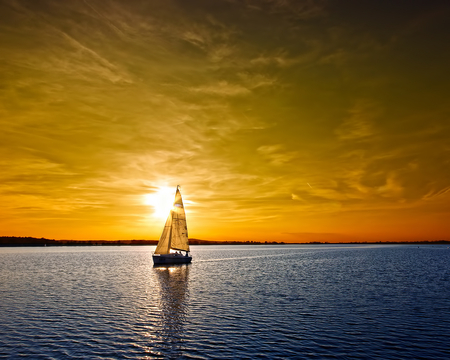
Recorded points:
(169, 259)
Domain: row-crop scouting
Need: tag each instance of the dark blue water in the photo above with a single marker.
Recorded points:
(232, 302)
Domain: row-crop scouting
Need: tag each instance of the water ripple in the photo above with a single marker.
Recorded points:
(243, 302)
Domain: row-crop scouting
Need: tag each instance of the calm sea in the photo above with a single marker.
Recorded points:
(232, 302)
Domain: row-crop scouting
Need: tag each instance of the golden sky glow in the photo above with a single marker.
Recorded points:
(281, 120)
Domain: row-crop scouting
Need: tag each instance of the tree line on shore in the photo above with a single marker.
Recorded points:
(11, 241)
(32, 241)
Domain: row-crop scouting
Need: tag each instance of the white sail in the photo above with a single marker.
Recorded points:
(175, 234)
(163, 246)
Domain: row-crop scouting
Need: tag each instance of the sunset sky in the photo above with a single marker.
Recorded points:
(281, 120)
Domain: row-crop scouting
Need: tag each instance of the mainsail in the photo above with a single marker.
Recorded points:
(175, 234)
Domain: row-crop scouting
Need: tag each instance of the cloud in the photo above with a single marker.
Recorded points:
(290, 8)
(392, 187)
(276, 154)
(105, 18)
(280, 59)
(222, 88)
(255, 81)
(358, 125)
(248, 83)
(212, 37)
(433, 194)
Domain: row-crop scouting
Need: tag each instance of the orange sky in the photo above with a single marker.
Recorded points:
(281, 120)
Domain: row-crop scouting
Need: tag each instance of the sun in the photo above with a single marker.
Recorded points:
(161, 200)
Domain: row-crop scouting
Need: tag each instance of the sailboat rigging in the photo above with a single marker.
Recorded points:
(174, 238)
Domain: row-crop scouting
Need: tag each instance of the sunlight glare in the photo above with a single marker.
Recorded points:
(162, 201)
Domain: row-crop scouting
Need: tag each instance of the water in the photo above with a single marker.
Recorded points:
(232, 302)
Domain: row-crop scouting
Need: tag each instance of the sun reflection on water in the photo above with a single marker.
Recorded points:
(172, 305)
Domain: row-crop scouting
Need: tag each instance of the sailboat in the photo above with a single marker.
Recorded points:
(174, 238)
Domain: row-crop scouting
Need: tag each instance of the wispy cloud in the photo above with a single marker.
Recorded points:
(222, 88)
(291, 8)
(359, 124)
(276, 154)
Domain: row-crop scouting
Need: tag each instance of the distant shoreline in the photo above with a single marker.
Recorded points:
(16, 241)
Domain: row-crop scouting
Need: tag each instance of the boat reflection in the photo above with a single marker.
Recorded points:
(173, 305)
